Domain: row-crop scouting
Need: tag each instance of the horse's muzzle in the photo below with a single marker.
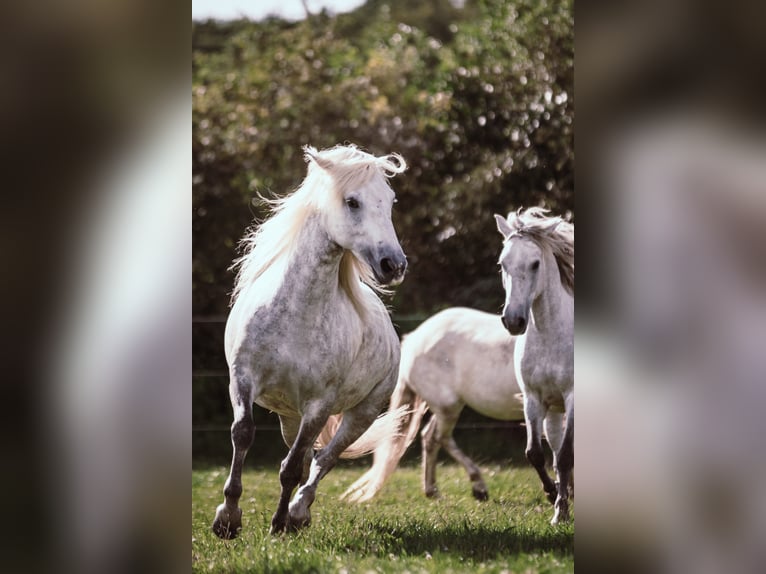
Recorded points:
(391, 269)
(515, 326)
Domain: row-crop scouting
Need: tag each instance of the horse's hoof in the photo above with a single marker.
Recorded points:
(298, 517)
(480, 495)
(227, 524)
(279, 523)
(277, 528)
(225, 531)
(432, 493)
(296, 525)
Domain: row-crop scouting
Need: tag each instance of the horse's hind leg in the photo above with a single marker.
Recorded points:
(564, 466)
(289, 427)
(430, 447)
(534, 414)
(228, 516)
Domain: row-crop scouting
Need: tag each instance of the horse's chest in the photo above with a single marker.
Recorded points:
(294, 360)
(545, 371)
(299, 351)
(295, 351)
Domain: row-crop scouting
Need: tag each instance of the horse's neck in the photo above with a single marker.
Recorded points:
(313, 266)
(552, 310)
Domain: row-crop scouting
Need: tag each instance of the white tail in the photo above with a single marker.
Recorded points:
(384, 427)
(390, 451)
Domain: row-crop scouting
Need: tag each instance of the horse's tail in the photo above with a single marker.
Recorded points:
(385, 426)
(390, 451)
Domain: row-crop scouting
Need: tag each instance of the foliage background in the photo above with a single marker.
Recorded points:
(478, 100)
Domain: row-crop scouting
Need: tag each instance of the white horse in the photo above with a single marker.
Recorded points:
(307, 336)
(537, 264)
(456, 358)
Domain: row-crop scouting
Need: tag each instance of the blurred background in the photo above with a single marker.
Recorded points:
(477, 96)
(671, 297)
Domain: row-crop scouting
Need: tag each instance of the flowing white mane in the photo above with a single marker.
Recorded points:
(552, 233)
(330, 172)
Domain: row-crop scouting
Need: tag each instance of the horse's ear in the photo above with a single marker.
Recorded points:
(311, 155)
(503, 226)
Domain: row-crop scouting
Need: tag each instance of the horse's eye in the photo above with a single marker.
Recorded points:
(535, 265)
(352, 202)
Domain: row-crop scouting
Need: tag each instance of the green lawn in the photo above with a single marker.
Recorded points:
(400, 531)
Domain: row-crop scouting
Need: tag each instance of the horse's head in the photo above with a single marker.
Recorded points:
(530, 240)
(359, 212)
(520, 263)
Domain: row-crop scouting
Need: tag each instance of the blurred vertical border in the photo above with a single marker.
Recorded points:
(671, 187)
(95, 111)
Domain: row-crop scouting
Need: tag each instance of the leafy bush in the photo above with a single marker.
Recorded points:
(478, 100)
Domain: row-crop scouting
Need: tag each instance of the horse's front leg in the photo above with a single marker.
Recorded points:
(479, 487)
(228, 516)
(445, 419)
(534, 413)
(564, 466)
(553, 425)
(355, 422)
(291, 469)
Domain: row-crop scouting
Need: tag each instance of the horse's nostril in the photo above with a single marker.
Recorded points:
(505, 323)
(387, 266)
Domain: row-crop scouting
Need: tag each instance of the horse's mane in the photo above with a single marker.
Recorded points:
(330, 172)
(553, 233)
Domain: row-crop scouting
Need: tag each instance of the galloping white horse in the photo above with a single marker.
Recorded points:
(537, 264)
(307, 336)
(456, 358)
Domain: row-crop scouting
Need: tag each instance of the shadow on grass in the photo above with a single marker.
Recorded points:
(479, 543)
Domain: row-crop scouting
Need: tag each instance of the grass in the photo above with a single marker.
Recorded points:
(400, 531)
